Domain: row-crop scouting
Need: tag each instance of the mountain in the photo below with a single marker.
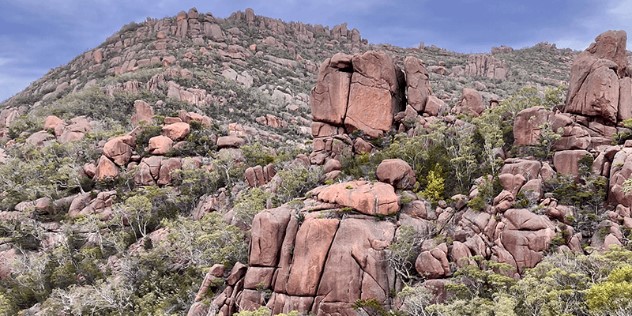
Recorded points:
(196, 165)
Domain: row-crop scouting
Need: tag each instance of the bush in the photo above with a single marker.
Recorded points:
(249, 203)
(257, 155)
(435, 185)
(32, 173)
(612, 297)
(296, 180)
(404, 251)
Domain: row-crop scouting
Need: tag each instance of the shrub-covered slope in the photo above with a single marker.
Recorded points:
(203, 165)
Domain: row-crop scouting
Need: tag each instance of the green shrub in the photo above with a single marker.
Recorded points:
(249, 203)
(612, 297)
(296, 180)
(257, 155)
(435, 185)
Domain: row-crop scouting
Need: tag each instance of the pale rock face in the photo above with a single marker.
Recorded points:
(143, 112)
(482, 65)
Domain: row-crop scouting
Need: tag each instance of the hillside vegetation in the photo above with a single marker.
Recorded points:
(196, 165)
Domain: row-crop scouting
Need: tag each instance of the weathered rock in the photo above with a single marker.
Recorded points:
(7, 260)
(230, 142)
(529, 169)
(176, 131)
(361, 146)
(159, 145)
(376, 94)
(106, 169)
(365, 197)
(528, 124)
(417, 83)
(461, 254)
(483, 65)
(567, 162)
(620, 171)
(433, 264)
(143, 112)
(312, 246)
(119, 149)
(611, 45)
(594, 84)
(331, 93)
(268, 229)
(39, 139)
(598, 95)
(332, 165)
(167, 166)
(625, 99)
(397, 173)
(471, 103)
(52, 122)
(435, 106)
(356, 267)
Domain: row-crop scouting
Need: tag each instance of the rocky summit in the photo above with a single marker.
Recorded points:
(196, 165)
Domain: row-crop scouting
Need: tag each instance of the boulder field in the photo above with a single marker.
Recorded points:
(333, 249)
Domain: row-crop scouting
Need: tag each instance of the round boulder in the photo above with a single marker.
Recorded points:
(396, 172)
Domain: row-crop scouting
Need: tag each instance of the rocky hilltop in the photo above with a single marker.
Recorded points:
(200, 166)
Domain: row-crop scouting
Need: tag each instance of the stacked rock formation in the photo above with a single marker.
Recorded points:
(598, 102)
(332, 251)
(317, 259)
(599, 99)
(483, 65)
(362, 97)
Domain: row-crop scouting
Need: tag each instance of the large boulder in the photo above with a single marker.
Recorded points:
(313, 263)
(376, 94)
(143, 112)
(176, 131)
(365, 197)
(417, 83)
(528, 125)
(594, 85)
(331, 93)
(471, 103)
(119, 149)
(106, 169)
(361, 92)
(397, 173)
(566, 162)
(598, 95)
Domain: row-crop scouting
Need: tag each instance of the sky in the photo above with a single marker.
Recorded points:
(39, 35)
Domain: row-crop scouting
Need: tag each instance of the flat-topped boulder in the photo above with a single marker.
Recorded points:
(371, 198)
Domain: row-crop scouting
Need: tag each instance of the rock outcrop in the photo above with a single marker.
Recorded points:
(315, 260)
(361, 92)
(483, 65)
(594, 88)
